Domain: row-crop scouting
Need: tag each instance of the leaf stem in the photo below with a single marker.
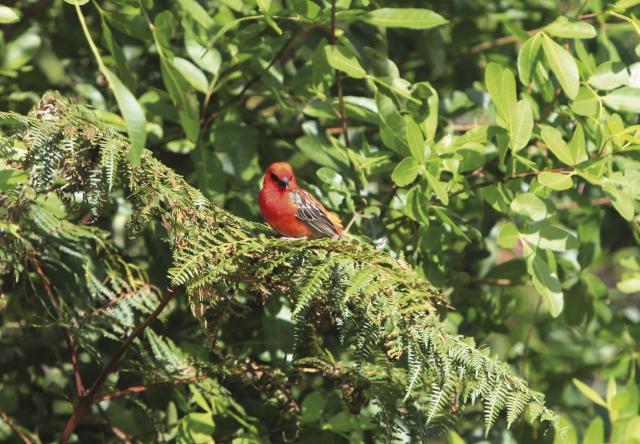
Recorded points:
(87, 34)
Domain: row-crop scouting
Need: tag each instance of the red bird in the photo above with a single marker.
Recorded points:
(292, 211)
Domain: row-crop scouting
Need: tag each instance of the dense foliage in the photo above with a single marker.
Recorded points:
(488, 149)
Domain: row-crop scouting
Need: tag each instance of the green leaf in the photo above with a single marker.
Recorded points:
(185, 100)
(405, 172)
(9, 178)
(342, 59)
(501, 85)
(629, 283)
(415, 139)
(118, 55)
(566, 29)
(191, 74)
(509, 236)
(438, 188)
(265, 6)
(610, 75)
(416, 205)
(208, 59)
(577, 146)
(553, 139)
(8, 16)
(587, 103)
(21, 50)
(529, 205)
(196, 427)
(412, 18)
(132, 114)
(447, 220)
(589, 392)
(622, 5)
(312, 407)
(556, 181)
(393, 128)
(546, 283)
(565, 432)
(595, 432)
(622, 202)
(521, 125)
(133, 25)
(528, 58)
(624, 99)
(197, 13)
(550, 237)
(563, 66)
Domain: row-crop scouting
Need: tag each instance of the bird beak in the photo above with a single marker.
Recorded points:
(285, 181)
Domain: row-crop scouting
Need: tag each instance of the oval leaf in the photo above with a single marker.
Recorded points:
(563, 66)
(554, 141)
(191, 74)
(509, 236)
(412, 18)
(528, 58)
(340, 58)
(405, 172)
(556, 181)
(566, 29)
(7, 15)
(546, 283)
(610, 75)
(529, 205)
(624, 99)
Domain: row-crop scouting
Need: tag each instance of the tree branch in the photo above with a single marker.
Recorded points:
(142, 388)
(85, 401)
(69, 338)
(25, 439)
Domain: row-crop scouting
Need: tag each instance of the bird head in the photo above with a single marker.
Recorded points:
(280, 174)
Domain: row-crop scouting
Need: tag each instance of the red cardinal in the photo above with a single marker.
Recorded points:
(292, 211)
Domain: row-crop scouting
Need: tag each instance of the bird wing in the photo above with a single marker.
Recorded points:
(312, 213)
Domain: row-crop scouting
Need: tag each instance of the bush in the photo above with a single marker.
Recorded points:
(490, 152)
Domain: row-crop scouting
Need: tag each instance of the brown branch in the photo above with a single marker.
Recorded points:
(85, 401)
(490, 182)
(483, 46)
(68, 336)
(596, 203)
(25, 439)
(142, 388)
(550, 106)
(332, 30)
(204, 123)
(71, 343)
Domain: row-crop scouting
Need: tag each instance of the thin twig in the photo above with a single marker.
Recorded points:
(550, 106)
(240, 96)
(25, 439)
(490, 182)
(603, 201)
(85, 401)
(525, 352)
(143, 388)
(69, 338)
(483, 46)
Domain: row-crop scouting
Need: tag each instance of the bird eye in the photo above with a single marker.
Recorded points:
(275, 178)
